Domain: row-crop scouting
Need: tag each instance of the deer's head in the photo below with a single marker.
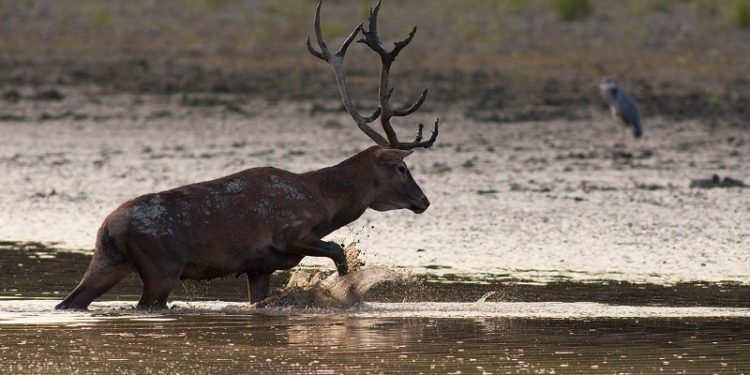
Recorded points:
(395, 187)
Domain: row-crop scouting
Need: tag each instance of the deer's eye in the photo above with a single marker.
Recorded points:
(401, 169)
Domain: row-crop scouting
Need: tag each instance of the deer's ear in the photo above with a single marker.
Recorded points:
(389, 155)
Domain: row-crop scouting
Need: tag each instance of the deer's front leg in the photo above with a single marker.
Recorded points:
(257, 286)
(314, 247)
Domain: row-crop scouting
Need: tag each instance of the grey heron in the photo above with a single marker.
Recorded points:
(621, 106)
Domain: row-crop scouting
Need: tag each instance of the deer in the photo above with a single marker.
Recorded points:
(264, 219)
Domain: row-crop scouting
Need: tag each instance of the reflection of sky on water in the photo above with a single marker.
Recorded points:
(30, 312)
(228, 338)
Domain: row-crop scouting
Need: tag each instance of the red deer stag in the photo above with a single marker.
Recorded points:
(262, 219)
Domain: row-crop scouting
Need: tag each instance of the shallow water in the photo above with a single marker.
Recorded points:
(215, 337)
(435, 325)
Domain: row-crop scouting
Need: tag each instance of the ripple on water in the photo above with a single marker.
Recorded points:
(490, 337)
(41, 312)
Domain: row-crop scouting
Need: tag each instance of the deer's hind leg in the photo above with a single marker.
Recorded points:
(160, 270)
(156, 293)
(101, 275)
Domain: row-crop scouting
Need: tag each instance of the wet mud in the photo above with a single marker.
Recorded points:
(483, 95)
(41, 271)
(545, 201)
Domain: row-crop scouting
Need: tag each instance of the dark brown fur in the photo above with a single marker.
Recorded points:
(254, 222)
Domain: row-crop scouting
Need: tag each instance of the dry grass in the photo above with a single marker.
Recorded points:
(467, 34)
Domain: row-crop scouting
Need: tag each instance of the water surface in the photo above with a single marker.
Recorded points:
(225, 340)
(436, 325)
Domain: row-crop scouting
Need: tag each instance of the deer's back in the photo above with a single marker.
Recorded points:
(256, 209)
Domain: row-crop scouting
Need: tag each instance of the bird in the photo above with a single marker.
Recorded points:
(621, 106)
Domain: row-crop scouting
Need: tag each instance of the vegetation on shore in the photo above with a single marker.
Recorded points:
(682, 56)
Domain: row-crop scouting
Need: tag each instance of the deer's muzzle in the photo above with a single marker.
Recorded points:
(420, 205)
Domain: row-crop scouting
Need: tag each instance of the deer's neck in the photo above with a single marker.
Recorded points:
(347, 188)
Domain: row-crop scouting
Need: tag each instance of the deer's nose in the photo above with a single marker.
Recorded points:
(420, 205)
(425, 202)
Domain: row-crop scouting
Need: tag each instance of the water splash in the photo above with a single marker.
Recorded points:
(307, 289)
(315, 290)
(483, 299)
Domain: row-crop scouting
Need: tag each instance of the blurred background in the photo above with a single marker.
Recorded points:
(681, 57)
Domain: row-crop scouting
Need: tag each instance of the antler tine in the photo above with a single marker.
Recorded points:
(372, 40)
(323, 53)
(315, 53)
(373, 20)
(419, 133)
(337, 63)
(370, 36)
(373, 116)
(398, 46)
(414, 107)
(418, 140)
(319, 36)
(318, 33)
(342, 51)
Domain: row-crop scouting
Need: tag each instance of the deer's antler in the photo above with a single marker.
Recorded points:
(385, 111)
(337, 63)
(372, 40)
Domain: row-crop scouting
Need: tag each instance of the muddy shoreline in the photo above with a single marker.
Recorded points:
(534, 199)
(38, 270)
(484, 94)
